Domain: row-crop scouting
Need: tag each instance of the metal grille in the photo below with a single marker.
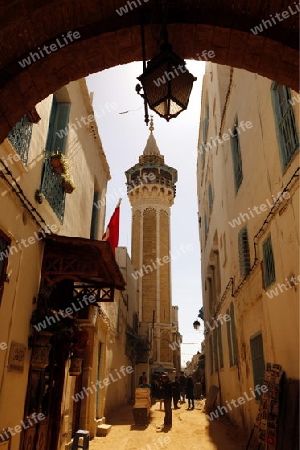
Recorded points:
(20, 137)
(237, 159)
(53, 191)
(244, 252)
(268, 263)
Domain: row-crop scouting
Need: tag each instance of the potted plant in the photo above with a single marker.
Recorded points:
(59, 163)
(67, 184)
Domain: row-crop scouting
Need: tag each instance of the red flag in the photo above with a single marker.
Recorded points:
(112, 231)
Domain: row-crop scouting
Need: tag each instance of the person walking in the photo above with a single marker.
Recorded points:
(145, 383)
(141, 378)
(190, 392)
(176, 392)
(182, 382)
(167, 393)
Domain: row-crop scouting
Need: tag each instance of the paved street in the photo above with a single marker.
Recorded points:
(191, 430)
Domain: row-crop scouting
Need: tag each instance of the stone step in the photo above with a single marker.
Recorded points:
(103, 430)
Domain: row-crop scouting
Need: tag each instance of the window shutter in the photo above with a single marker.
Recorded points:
(244, 252)
(229, 340)
(60, 132)
(51, 126)
(219, 333)
(236, 158)
(234, 337)
(258, 363)
(95, 216)
(285, 123)
(268, 260)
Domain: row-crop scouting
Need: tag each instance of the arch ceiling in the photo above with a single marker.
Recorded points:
(90, 35)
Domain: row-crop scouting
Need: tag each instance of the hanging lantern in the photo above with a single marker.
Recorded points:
(167, 83)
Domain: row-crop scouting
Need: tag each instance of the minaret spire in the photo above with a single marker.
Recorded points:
(151, 128)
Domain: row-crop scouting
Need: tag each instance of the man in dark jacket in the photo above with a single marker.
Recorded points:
(167, 392)
(182, 382)
(176, 393)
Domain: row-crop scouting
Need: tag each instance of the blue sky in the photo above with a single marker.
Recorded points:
(124, 138)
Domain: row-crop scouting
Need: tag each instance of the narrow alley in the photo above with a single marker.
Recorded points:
(191, 429)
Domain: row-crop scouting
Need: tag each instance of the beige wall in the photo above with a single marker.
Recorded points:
(230, 92)
(89, 168)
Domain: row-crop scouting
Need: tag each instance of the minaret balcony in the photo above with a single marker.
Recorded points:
(157, 180)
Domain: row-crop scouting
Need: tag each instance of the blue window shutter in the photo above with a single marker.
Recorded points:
(258, 362)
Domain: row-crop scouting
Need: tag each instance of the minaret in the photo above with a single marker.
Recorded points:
(151, 191)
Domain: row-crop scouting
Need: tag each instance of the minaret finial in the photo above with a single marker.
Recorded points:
(151, 128)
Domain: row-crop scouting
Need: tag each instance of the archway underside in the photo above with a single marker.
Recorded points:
(107, 39)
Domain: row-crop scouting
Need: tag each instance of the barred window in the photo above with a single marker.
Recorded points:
(244, 252)
(268, 263)
(236, 157)
(56, 141)
(285, 123)
(20, 137)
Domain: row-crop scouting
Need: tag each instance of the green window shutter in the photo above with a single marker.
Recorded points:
(268, 262)
(219, 333)
(285, 123)
(58, 127)
(233, 335)
(229, 339)
(51, 126)
(258, 362)
(60, 132)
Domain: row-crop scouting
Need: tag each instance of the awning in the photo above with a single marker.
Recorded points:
(89, 263)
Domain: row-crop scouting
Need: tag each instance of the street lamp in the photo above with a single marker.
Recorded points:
(166, 82)
(196, 324)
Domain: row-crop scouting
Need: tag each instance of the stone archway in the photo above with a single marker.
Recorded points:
(108, 38)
